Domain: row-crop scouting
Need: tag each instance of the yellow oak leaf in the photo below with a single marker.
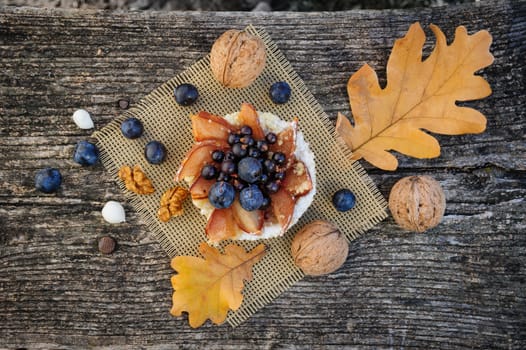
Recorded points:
(420, 94)
(207, 288)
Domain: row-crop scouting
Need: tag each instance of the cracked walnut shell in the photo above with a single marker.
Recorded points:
(237, 58)
(417, 203)
(136, 180)
(319, 248)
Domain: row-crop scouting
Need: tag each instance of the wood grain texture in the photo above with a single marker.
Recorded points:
(459, 286)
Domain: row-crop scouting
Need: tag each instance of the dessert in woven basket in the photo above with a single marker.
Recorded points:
(251, 173)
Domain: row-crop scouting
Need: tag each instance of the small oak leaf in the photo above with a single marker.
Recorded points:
(207, 288)
(418, 95)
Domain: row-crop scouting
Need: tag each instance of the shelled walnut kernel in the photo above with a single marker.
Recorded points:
(172, 203)
(136, 180)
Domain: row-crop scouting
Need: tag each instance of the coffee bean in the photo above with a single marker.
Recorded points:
(106, 245)
(124, 103)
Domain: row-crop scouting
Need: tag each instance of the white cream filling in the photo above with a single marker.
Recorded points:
(272, 123)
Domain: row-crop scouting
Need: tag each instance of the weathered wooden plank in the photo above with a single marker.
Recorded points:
(459, 286)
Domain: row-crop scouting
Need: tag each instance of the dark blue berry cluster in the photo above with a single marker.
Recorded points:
(247, 168)
(132, 128)
(154, 151)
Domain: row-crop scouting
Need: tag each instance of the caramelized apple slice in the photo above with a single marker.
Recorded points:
(200, 188)
(248, 221)
(221, 225)
(199, 155)
(249, 116)
(206, 126)
(286, 141)
(282, 206)
(297, 180)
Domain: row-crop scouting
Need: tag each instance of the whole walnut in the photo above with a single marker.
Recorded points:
(237, 58)
(417, 203)
(319, 248)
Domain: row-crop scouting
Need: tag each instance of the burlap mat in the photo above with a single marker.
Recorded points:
(166, 121)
